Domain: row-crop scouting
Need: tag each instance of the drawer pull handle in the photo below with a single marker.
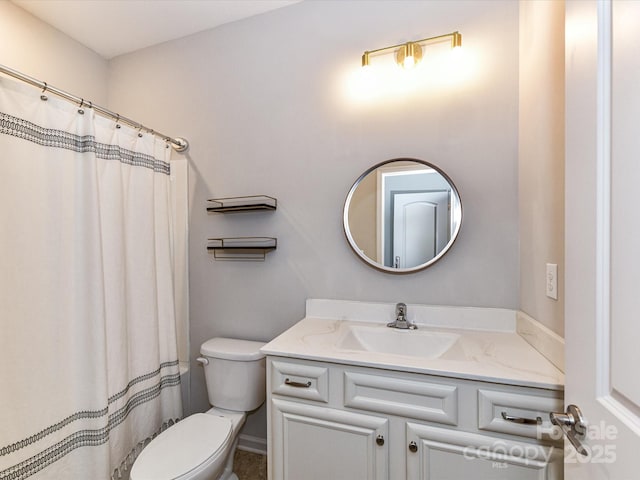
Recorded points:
(291, 383)
(380, 440)
(521, 420)
(413, 447)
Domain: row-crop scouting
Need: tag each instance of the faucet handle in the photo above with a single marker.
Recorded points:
(401, 321)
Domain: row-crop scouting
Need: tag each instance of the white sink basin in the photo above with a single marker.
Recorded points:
(382, 339)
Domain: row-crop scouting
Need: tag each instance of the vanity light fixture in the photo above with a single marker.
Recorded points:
(409, 54)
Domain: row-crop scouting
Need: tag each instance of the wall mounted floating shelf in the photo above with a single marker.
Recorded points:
(241, 248)
(242, 204)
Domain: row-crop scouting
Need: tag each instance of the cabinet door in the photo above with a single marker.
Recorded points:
(440, 454)
(318, 443)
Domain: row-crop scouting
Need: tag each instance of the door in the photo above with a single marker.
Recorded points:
(420, 226)
(319, 443)
(602, 235)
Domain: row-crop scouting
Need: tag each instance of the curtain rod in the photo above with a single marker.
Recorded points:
(179, 144)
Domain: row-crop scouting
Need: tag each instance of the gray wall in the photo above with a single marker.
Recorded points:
(541, 158)
(31, 46)
(263, 103)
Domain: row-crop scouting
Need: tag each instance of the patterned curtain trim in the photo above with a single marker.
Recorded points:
(142, 378)
(85, 414)
(20, 128)
(123, 470)
(82, 438)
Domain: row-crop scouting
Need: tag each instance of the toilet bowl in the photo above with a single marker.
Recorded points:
(202, 446)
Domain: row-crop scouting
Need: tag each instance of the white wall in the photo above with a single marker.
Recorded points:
(33, 47)
(262, 102)
(541, 158)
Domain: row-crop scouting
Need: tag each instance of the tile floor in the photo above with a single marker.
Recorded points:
(250, 466)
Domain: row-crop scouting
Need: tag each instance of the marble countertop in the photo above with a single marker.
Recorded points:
(499, 356)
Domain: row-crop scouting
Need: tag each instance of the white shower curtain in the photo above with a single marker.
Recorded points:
(88, 361)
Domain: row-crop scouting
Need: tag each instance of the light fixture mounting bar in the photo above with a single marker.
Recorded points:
(456, 41)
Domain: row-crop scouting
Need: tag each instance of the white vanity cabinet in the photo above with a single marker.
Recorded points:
(330, 421)
(326, 443)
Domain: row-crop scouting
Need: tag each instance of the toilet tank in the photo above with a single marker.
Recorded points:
(235, 373)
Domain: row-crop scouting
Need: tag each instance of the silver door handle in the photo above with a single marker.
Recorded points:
(573, 426)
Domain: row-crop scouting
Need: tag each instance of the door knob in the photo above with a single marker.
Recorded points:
(572, 424)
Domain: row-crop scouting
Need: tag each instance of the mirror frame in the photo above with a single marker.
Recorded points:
(376, 265)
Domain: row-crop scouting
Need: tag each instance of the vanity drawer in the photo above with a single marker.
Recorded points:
(524, 414)
(405, 397)
(300, 381)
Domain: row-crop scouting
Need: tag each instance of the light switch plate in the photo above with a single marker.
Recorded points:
(551, 280)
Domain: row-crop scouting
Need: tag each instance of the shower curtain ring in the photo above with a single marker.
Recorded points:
(80, 110)
(140, 131)
(118, 120)
(43, 97)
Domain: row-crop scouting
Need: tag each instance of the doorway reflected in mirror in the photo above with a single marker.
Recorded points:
(402, 215)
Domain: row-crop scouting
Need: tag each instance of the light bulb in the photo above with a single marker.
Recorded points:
(409, 62)
(409, 55)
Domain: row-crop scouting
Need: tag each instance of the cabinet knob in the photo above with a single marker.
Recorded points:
(413, 447)
(380, 440)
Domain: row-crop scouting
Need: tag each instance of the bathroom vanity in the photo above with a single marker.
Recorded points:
(352, 399)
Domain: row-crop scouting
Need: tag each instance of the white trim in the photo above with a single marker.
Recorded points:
(548, 343)
(380, 216)
(603, 202)
(474, 318)
(626, 416)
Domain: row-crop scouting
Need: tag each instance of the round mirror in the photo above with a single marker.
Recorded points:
(402, 215)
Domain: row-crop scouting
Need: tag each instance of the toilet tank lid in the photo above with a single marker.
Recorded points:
(232, 349)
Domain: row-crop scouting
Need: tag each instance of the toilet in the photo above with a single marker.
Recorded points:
(201, 447)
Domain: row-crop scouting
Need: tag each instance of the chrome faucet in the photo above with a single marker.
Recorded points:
(401, 321)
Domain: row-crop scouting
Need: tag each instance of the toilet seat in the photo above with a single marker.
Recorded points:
(185, 449)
